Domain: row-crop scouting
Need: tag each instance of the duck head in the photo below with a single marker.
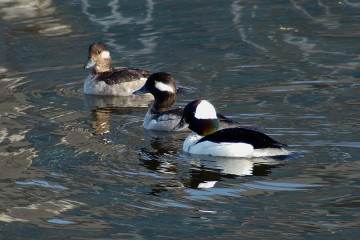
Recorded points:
(200, 117)
(163, 87)
(99, 58)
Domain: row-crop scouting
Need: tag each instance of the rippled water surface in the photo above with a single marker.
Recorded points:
(81, 167)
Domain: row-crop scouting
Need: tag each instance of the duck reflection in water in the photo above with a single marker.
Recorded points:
(36, 16)
(162, 156)
(161, 150)
(206, 173)
(103, 107)
(212, 169)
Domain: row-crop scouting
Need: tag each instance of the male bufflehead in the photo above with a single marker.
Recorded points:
(103, 80)
(206, 138)
(160, 116)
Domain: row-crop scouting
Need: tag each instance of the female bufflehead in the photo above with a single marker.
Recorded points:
(118, 81)
(206, 138)
(160, 115)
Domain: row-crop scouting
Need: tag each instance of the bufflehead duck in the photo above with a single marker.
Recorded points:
(160, 116)
(103, 80)
(206, 138)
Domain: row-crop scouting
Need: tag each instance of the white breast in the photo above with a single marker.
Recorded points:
(91, 86)
(216, 149)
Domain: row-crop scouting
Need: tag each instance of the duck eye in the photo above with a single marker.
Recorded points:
(98, 51)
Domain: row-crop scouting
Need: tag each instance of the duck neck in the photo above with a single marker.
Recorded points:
(163, 103)
(103, 66)
(204, 127)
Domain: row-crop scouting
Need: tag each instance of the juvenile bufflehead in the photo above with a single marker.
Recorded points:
(160, 116)
(103, 80)
(206, 138)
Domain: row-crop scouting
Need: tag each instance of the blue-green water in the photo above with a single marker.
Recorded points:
(77, 167)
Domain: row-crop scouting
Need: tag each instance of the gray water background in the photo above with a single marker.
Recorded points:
(77, 167)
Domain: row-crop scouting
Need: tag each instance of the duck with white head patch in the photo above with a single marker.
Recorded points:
(160, 115)
(103, 80)
(207, 139)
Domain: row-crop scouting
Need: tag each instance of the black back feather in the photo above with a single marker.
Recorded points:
(120, 75)
(232, 135)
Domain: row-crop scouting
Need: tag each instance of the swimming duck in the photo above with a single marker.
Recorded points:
(206, 138)
(103, 80)
(160, 116)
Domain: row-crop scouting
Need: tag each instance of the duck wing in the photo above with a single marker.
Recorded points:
(172, 114)
(123, 74)
(232, 135)
(226, 122)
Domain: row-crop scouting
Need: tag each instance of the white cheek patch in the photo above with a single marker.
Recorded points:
(205, 110)
(163, 87)
(105, 54)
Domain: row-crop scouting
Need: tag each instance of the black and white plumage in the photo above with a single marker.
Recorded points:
(160, 116)
(206, 138)
(103, 80)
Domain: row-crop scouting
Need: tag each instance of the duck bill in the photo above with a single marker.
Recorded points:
(90, 63)
(181, 126)
(142, 90)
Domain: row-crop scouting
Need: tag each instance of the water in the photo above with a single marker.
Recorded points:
(77, 167)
